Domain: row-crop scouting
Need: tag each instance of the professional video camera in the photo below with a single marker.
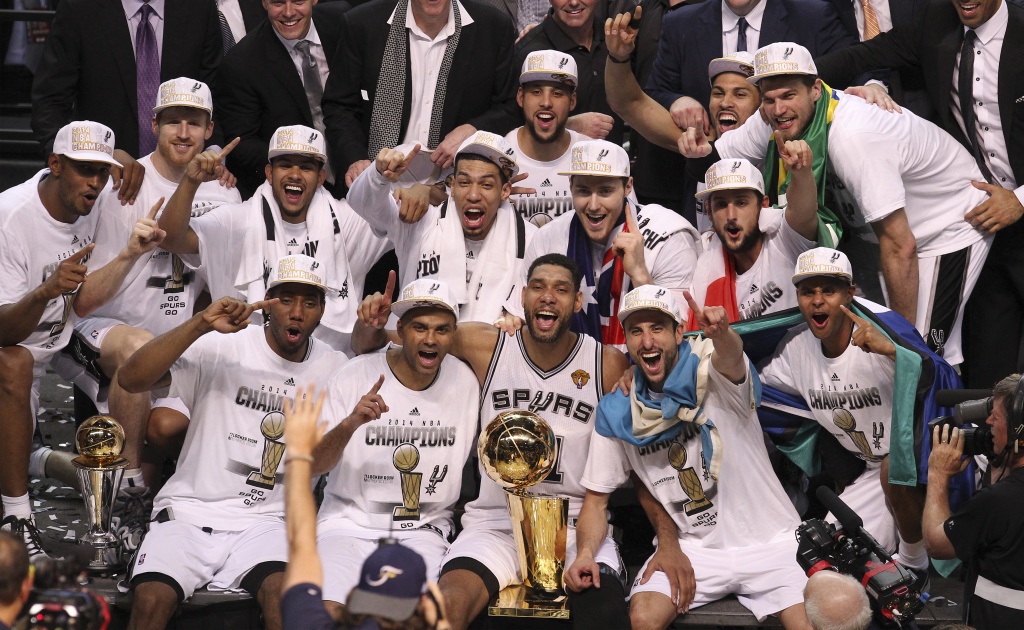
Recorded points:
(849, 549)
(969, 414)
(60, 600)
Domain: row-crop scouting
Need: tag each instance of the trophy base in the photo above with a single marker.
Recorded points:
(521, 601)
(403, 514)
(258, 480)
(106, 561)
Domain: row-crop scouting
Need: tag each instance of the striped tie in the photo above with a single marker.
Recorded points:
(870, 20)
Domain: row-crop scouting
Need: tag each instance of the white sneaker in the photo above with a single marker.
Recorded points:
(25, 528)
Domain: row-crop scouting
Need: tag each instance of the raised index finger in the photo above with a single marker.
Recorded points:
(262, 304)
(228, 149)
(631, 222)
(389, 289)
(697, 311)
(376, 386)
(155, 209)
(411, 156)
(82, 253)
(860, 321)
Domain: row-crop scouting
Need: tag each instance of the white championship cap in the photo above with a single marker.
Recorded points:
(297, 140)
(598, 157)
(300, 269)
(741, 62)
(87, 141)
(494, 148)
(425, 293)
(550, 65)
(650, 297)
(184, 92)
(822, 261)
(735, 174)
(782, 58)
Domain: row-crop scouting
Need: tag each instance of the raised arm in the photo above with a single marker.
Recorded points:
(802, 194)
(205, 167)
(728, 356)
(371, 196)
(302, 432)
(328, 452)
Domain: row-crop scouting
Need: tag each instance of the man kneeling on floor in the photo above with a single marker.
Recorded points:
(689, 432)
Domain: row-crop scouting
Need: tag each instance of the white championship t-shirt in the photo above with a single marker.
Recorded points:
(850, 395)
(746, 507)
(553, 197)
(402, 471)
(231, 468)
(767, 287)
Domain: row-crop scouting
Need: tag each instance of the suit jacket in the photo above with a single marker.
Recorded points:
(87, 71)
(481, 89)
(692, 36)
(258, 90)
(253, 13)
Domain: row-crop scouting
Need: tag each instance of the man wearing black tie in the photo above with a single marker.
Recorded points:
(981, 103)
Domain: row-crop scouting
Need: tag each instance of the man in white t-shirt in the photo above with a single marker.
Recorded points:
(909, 179)
(745, 268)
(159, 292)
(617, 243)
(48, 233)
(547, 95)
(845, 375)
(474, 241)
(402, 446)
(236, 246)
(689, 431)
(219, 520)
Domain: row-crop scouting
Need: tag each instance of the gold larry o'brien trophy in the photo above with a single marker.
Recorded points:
(100, 441)
(517, 450)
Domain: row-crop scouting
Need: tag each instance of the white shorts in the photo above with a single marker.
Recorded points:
(343, 552)
(943, 288)
(496, 550)
(766, 578)
(79, 361)
(217, 559)
(865, 497)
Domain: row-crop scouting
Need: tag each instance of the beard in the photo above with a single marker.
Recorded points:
(553, 336)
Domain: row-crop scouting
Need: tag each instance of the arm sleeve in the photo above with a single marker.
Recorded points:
(966, 529)
(869, 164)
(749, 141)
(370, 197)
(607, 466)
(186, 374)
(220, 233)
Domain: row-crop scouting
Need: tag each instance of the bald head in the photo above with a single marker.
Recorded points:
(836, 602)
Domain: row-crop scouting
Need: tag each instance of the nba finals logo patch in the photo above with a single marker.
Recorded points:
(580, 378)
(81, 140)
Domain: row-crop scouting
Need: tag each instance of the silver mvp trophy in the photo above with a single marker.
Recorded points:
(100, 441)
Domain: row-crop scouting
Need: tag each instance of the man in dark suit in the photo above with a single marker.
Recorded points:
(694, 35)
(88, 70)
(478, 95)
(932, 44)
(239, 17)
(259, 88)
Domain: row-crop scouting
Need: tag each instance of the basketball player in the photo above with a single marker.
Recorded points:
(689, 432)
(219, 520)
(410, 438)
(560, 375)
(845, 375)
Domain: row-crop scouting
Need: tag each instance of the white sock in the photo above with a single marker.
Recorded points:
(20, 507)
(133, 478)
(37, 461)
(913, 555)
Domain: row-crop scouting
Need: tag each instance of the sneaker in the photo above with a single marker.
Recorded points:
(25, 528)
(133, 506)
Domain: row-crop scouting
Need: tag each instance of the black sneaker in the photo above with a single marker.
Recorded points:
(25, 528)
(133, 506)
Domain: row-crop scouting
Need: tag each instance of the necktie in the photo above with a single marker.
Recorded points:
(965, 87)
(311, 83)
(147, 78)
(870, 20)
(227, 38)
(741, 39)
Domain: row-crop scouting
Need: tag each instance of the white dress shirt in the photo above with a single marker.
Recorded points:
(233, 14)
(131, 13)
(882, 14)
(317, 50)
(731, 28)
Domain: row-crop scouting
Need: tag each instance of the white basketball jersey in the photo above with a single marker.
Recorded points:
(404, 470)
(566, 397)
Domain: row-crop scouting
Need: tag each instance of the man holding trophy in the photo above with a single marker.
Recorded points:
(219, 520)
(689, 432)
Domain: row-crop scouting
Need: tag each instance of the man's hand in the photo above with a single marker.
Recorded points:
(876, 95)
(670, 560)
(302, 426)
(433, 607)
(374, 310)
(687, 112)
(1002, 208)
(626, 380)
(355, 169)
(583, 573)
(713, 320)
(146, 235)
(526, 29)
(868, 338)
(413, 202)
(127, 180)
(69, 274)
(209, 165)
(693, 143)
(629, 245)
(508, 323)
(391, 163)
(795, 154)
(619, 37)
(947, 458)
(444, 154)
(370, 406)
(591, 124)
(229, 315)
(227, 179)
(521, 190)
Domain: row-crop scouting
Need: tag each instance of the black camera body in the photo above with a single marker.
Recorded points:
(970, 416)
(849, 549)
(60, 600)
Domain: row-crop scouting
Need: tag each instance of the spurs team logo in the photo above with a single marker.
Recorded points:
(602, 154)
(787, 53)
(387, 572)
(561, 64)
(688, 481)
(436, 478)
(938, 338)
(433, 288)
(834, 257)
(272, 428)
(843, 419)
(405, 458)
(580, 378)
(313, 136)
(735, 167)
(196, 86)
(659, 293)
(877, 433)
(106, 136)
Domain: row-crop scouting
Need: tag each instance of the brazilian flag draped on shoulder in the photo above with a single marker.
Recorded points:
(776, 179)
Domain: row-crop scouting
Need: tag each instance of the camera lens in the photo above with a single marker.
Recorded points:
(978, 441)
(973, 411)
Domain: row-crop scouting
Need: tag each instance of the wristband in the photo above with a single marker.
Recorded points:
(299, 458)
(614, 60)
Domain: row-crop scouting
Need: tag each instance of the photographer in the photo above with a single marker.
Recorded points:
(834, 601)
(986, 532)
(15, 578)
